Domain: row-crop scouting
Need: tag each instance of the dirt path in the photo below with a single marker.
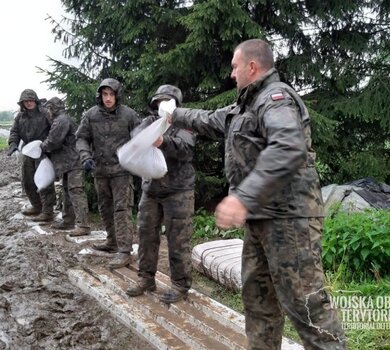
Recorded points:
(39, 308)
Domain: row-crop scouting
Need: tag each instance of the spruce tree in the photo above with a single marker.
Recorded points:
(335, 53)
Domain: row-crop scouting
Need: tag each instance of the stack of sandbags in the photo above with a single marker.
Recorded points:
(220, 260)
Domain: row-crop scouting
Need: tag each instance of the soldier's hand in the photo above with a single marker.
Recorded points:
(158, 142)
(11, 150)
(230, 213)
(89, 165)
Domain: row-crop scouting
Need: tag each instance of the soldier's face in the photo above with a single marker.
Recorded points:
(29, 104)
(240, 70)
(108, 97)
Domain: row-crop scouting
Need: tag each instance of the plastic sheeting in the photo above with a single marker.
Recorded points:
(220, 260)
(357, 195)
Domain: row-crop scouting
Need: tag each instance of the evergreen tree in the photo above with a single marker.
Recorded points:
(335, 53)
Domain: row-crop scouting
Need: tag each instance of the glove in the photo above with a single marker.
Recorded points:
(11, 150)
(89, 165)
(166, 108)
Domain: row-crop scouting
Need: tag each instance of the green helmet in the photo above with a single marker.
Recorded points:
(166, 92)
(114, 84)
(55, 104)
(28, 95)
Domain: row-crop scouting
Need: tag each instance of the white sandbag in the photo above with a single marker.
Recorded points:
(150, 164)
(166, 108)
(33, 149)
(140, 157)
(45, 174)
(220, 260)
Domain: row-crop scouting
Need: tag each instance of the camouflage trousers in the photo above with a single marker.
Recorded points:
(115, 200)
(46, 198)
(75, 205)
(176, 212)
(282, 274)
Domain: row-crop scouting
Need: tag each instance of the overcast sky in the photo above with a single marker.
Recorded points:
(26, 41)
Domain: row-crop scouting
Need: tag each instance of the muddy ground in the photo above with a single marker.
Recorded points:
(39, 307)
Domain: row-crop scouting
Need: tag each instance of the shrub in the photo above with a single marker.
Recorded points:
(357, 244)
(205, 228)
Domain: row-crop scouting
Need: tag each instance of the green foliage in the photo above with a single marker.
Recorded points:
(211, 183)
(79, 89)
(6, 116)
(337, 51)
(3, 143)
(206, 229)
(357, 245)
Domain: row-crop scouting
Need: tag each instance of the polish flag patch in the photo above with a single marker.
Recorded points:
(278, 96)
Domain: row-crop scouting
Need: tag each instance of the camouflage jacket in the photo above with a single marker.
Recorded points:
(29, 126)
(178, 149)
(101, 133)
(60, 144)
(269, 160)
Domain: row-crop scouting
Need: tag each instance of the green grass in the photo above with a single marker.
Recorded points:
(6, 125)
(3, 143)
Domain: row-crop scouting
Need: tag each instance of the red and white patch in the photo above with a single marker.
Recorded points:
(278, 96)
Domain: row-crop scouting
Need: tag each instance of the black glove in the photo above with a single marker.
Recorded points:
(12, 150)
(89, 165)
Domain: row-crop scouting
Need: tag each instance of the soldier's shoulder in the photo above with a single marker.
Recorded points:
(127, 109)
(93, 109)
(128, 112)
(277, 93)
(91, 112)
(18, 115)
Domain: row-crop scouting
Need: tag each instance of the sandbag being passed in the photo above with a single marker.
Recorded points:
(33, 149)
(140, 157)
(45, 174)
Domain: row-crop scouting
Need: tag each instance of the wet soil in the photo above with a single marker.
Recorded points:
(39, 307)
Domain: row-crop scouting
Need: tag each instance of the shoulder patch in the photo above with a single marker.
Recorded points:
(277, 96)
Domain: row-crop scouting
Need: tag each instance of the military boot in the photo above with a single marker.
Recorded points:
(62, 225)
(120, 260)
(80, 231)
(107, 246)
(142, 286)
(173, 295)
(32, 211)
(44, 217)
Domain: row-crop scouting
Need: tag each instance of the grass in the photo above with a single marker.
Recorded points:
(6, 124)
(3, 143)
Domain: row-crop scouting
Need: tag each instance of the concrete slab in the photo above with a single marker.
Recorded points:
(94, 236)
(125, 313)
(197, 323)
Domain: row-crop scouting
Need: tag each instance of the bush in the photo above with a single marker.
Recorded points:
(357, 244)
(205, 229)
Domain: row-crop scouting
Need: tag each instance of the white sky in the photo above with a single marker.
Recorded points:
(26, 41)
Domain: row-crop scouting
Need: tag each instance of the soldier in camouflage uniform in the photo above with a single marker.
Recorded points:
(168, 201)
(60, 146)
(31, 123)
(103, 129)
(275, 190)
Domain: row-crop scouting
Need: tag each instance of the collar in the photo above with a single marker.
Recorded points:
(249, 91)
